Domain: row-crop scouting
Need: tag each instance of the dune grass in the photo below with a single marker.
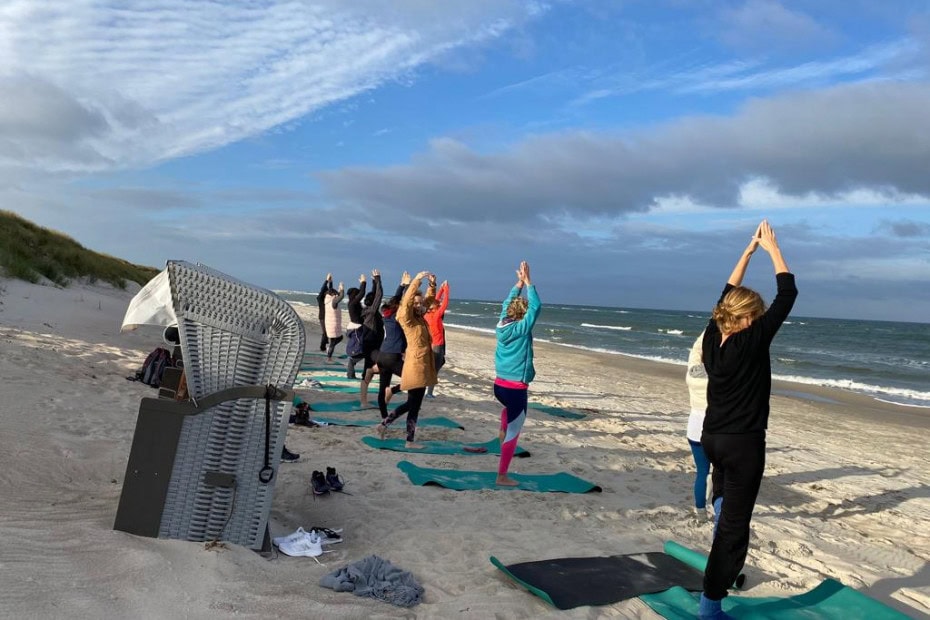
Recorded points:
(29, 252)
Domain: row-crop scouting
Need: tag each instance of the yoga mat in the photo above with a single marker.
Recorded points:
(473, 480)
(830, 600)
(348, 405)
(566, 583)
(323, 367)
(333, 379)
(312, 354)
(695, 559)
(440, 447)
(558, 412)
(437, 421)
(331, 387)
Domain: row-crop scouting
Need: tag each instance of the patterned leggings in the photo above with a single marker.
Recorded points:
(513, 415)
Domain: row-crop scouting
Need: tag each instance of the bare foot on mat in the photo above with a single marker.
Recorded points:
(504, 481)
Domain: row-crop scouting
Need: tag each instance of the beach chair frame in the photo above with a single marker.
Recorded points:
(204, 469)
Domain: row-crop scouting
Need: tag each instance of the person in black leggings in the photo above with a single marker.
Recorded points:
(321, 302)
(389, 358)
(735, 351)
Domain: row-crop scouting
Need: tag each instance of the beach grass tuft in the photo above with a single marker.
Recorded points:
(30, 252)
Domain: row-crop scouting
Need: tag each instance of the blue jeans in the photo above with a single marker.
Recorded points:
(700, 478)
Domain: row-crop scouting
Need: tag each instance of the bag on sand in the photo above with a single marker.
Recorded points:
(154, 367)
(354, 342)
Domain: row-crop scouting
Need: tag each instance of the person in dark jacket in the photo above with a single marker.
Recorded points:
(735, 351)
(354, 306)
(321, 302)
(389, 358)
(372, 334)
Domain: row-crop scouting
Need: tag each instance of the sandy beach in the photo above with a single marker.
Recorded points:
(846, 493)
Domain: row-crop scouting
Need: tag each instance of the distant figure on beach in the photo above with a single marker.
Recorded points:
(434, 316)
(513, 365)
(321, 302)
(333, 320)
(372, 333)
(696, 380)
(389, 357)
(353, 336)
(735, 350)
(419, 365)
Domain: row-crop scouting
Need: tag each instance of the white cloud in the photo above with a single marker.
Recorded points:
(109, 84)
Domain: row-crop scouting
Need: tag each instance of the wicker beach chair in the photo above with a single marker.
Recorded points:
(205, 469)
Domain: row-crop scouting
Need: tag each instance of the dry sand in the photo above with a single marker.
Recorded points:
(846, 493)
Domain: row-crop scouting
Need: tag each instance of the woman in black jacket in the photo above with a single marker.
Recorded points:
(739, 381)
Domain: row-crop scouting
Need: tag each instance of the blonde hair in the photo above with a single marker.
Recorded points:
(739, 303)
(517, 308)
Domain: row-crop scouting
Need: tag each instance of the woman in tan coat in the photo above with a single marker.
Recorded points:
(419, 361)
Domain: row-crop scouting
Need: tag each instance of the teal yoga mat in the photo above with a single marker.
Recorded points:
(314, 365)
(474, 480)
(441, 447)
(695, 559)
(335, 387)
(437, 421)
(321, 354)
(348, 406)
(830, 600)
(558, 412)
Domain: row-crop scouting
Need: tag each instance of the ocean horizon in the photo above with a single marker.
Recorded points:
(887, 360)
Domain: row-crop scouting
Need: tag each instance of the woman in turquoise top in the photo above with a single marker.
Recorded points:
(513, 364)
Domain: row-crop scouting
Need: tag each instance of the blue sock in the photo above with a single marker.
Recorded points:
(711, 610)
(718, 506)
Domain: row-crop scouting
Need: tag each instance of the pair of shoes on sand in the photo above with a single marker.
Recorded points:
(304, 543)
(321, 483)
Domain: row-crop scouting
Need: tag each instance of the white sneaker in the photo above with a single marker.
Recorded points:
(299, 533)
(307, 546)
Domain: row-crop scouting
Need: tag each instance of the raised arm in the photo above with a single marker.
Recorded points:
(405, 310)
(379, 292)
(534, 306)
(787, 291)
(443, 296)
(327, 285)
(339, 295)
(736, 278)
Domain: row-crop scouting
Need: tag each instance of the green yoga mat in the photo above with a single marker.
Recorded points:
(335, 387)
(473, 480)
(333, 379)
(437, 421)
(558, 412)
(316, 366)
(830, 600)
(348, 406)
(695, 559)
(441, 447)
(313, 354)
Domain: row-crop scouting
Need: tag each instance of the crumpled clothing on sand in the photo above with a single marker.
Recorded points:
(378, 578)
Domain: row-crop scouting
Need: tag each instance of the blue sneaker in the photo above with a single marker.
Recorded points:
(711, 610)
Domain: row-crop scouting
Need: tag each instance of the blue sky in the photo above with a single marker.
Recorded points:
(626, 149)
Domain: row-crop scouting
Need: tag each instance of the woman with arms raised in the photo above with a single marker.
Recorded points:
(513, 365)
(739, 382)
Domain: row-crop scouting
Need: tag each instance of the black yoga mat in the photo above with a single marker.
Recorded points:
(567, 583)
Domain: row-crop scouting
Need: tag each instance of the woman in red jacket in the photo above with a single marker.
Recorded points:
(434, 316)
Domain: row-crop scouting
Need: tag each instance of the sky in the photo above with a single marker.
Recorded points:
(626, 149)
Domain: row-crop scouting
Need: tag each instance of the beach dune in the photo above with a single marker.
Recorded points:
(846, 493)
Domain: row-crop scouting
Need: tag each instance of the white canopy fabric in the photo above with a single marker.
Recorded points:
(152, 305)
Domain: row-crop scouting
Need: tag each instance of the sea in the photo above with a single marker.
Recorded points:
(886, 360)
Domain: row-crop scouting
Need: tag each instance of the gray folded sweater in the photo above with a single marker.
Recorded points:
(378, 578)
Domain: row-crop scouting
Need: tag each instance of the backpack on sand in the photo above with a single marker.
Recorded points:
(154, 367)
(354, 343)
